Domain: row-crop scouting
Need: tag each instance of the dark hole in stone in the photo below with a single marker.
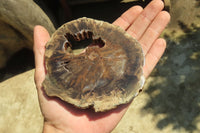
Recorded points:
(66, 62)
(79, 41)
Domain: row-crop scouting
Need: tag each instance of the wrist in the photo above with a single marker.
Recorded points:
(49, 128)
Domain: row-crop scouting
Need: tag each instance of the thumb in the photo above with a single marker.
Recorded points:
(41, 36)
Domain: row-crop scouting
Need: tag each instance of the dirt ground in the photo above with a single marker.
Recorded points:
(170, 102)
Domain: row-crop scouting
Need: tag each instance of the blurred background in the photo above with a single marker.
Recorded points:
(170, 102)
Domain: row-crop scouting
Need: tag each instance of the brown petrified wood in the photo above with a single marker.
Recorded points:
(93, 63)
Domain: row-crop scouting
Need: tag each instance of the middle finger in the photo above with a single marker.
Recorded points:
(145, 18)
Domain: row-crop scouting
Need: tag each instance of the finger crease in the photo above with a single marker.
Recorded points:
(156, 32)
(154, 56)
(146, 18)
(126, 22)
(132, 33)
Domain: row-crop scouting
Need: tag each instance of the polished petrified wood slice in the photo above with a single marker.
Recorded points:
(93, 63)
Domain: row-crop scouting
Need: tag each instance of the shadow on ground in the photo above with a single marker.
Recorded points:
(20, 62)
(175, 88)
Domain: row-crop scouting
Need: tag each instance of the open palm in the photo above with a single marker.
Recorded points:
(146, 26)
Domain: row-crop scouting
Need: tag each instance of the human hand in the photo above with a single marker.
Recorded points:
(146, 26)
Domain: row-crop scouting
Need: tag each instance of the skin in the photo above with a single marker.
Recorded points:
(146, 26)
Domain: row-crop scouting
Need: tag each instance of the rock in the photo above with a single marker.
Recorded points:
(19, 107)
(17, 19)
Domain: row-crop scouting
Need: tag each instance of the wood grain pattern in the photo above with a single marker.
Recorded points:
(93, 63)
